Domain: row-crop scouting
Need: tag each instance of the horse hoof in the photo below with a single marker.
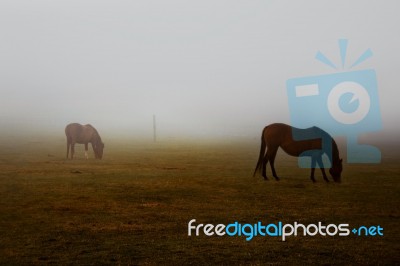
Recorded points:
(277, 178)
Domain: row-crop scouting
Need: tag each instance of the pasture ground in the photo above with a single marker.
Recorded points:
(133, 207)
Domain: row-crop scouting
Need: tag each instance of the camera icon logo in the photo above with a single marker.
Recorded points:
(342, 104)
(358, 92)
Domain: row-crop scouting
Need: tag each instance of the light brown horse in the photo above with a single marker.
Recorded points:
(313, 142)
(83, 134)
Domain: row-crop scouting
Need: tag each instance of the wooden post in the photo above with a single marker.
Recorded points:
(154, 129)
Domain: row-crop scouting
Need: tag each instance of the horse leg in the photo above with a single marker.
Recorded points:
(68, 144)
(272, 156)
(72, 150)
(321, 166)
(86, 151)
(313, 163)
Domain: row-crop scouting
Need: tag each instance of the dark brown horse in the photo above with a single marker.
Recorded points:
(313, 142)
(83, 134)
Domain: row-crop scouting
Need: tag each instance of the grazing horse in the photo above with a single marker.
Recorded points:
(83, 134)
(313, 142)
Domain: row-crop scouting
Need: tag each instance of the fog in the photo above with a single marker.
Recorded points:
(203, 68)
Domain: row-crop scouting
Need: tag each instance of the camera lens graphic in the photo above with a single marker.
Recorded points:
(359, 93)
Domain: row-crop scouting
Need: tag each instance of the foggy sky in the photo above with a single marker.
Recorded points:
(202, 67)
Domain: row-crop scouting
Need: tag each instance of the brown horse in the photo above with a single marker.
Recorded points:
(313, 142)
(83, 134)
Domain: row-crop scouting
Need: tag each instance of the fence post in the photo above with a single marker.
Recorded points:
(154, 129)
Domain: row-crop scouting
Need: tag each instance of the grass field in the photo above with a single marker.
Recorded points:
(133, 207)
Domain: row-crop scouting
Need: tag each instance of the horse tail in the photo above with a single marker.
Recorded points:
(67, 133)
(262, 152)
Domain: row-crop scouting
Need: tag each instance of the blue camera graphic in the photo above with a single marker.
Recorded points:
(342, 104)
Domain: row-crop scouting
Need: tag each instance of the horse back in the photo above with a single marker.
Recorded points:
(80, 133)
(276, 134)
(294, 141)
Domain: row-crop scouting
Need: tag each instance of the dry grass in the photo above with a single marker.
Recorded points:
(133, 207)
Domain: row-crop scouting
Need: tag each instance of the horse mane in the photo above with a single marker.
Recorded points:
(89, 125)
(97, 135)
(334, 158)
(335, 152)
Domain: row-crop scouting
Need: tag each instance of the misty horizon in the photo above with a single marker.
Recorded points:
(205, 69)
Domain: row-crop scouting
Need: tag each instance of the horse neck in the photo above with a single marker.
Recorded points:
(335, 153)
(96, 137)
